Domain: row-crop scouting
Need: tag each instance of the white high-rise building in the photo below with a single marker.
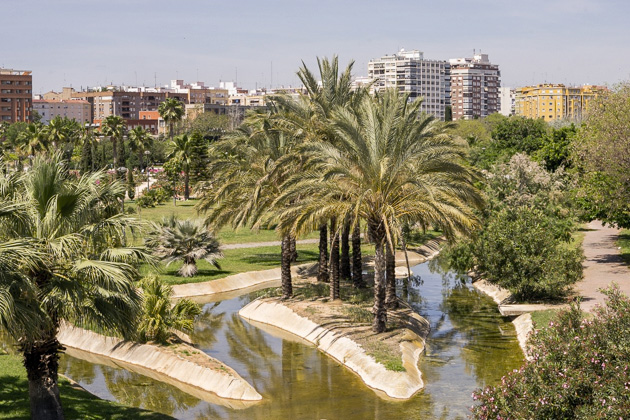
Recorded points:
(507, 97)
(410, 73)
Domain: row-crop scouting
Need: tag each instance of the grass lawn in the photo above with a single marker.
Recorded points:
(243, 260)
(77, 404)
(186, 210)
(542, 318)
(624, 244)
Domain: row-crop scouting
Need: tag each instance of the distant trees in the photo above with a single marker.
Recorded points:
(601, 155)
(172, 111)
(114, 127)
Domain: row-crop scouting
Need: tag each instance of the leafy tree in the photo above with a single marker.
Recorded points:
(555, 152)
(186, 241)
(171, 111)
(579, 369)
(209, 125)
(601, 156)
(114, 127)
(160, 316)
(389, 165)
(75, 269)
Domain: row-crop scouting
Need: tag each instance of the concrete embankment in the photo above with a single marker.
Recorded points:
(208, 375)
(399, 385)
(234, 282)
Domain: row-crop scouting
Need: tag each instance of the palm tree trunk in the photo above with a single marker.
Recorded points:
(42, 365)
(115, 154)
(357, 262)
(186, 184)
(379, 310)
(391, 302)
(322, 272)
(294, 253)
(334, 260)
(345, 251)
(285, 270)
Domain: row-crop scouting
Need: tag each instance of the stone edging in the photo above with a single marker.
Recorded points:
(524, 327)
(225, 383)
(234, 282)
(400, 385)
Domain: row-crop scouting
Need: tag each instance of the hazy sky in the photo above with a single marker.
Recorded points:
(88, 43)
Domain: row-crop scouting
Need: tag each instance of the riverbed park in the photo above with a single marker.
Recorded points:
(314, 210)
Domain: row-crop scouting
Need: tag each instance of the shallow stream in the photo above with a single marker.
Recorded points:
(470, 346)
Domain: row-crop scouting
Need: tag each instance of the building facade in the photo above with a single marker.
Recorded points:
(16, 95)
(507, 98)
(555, 102)
(78, 110)
(475, 84)
(410, 73)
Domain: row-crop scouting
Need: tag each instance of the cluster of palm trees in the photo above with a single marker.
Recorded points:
(344, 159)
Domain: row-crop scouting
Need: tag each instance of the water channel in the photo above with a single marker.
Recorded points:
(470, 346)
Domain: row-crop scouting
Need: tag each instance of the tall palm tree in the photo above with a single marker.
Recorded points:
(249, 168)
(140, 140)
(171, 111)
(114, 126)
(388, 164)
(74, 269)
(183, 148)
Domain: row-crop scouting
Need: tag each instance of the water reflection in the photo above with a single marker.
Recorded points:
(470, 345)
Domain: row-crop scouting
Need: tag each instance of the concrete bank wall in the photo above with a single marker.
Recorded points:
(223, 381)
(234, 282)
(400, 385)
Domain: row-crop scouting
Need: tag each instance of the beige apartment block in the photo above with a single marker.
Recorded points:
(77, 109)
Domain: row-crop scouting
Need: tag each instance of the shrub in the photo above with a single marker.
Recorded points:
(580, 370)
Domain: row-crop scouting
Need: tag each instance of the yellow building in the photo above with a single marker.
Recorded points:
(555, 102)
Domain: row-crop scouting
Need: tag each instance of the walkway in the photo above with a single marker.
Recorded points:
(603, 265)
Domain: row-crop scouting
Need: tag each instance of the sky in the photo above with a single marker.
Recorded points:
(82, 43)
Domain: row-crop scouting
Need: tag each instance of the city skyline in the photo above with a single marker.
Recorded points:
(80, 44)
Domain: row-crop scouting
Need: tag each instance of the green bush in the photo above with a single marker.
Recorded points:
(579, 370)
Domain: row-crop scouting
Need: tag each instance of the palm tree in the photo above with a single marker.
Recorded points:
(160, 316)
(186, 241)
(388, 164)
(74, 269)
(34, 141)
(171, 111)
(249, 168)
(183, 148)
(139, 141)
(114, 127)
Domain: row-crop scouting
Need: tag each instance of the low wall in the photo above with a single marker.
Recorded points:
(223, 381)
(234, 282)
(400, 385)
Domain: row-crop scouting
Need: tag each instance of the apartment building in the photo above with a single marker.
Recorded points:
(16, 95)
(553, 102)
(507, 99)
(411, 73)
(77, 109)
(475, 86)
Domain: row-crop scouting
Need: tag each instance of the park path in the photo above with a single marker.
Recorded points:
(603, 265)
(272, 243)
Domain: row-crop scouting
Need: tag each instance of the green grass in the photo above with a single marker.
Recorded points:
(624, 244)
(418, 238)
(186, 210)
(77, 404)
(383, 355)
(542, 318)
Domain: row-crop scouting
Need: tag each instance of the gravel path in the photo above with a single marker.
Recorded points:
(603, 265)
